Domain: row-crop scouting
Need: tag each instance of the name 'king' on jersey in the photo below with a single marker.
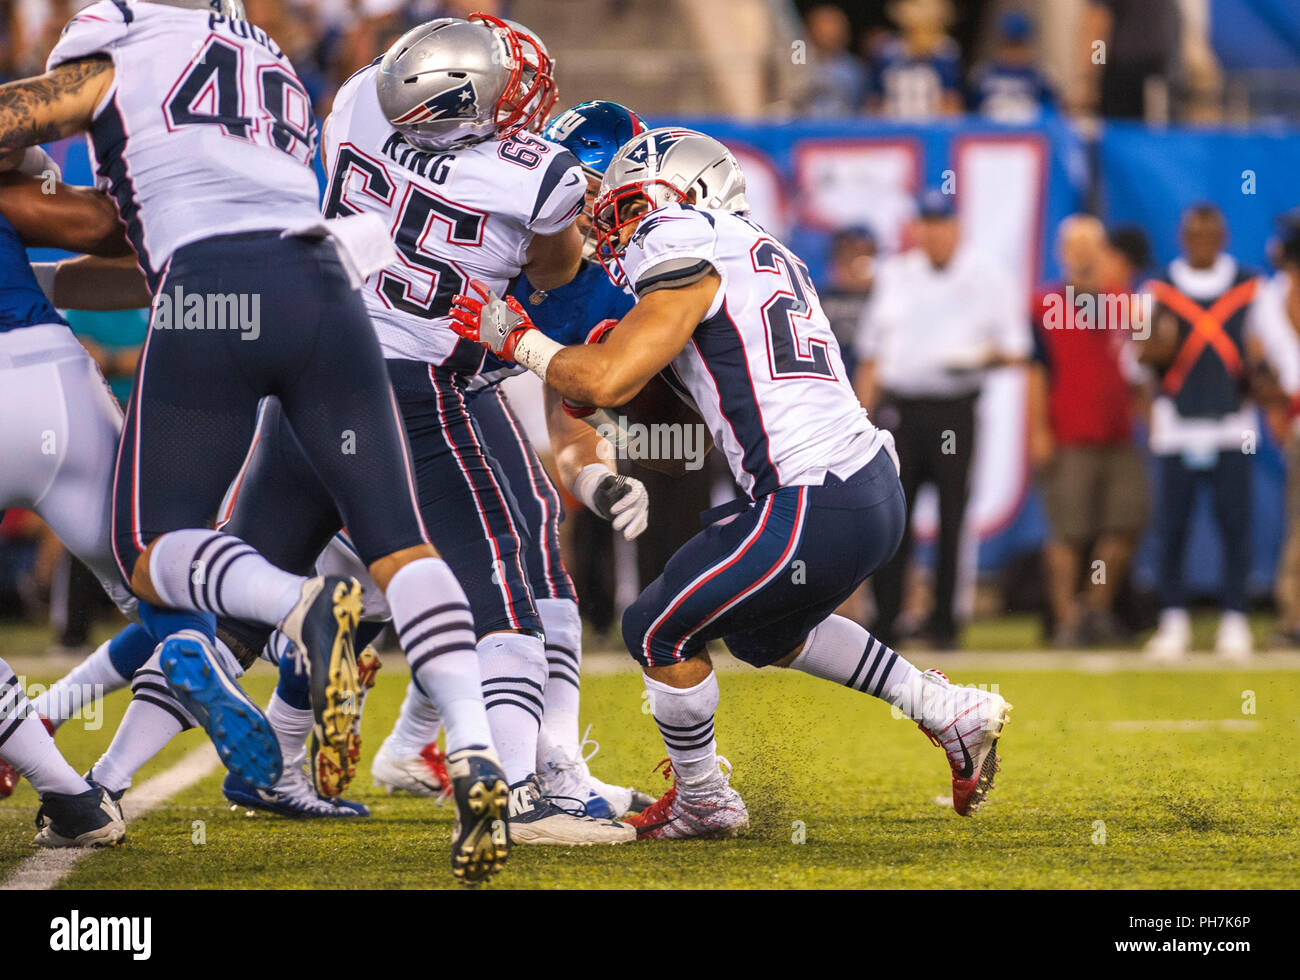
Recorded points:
(456, 215)
(763, 366)
(205, 131)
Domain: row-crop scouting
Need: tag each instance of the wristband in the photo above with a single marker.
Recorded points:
(534, 351)
(45, 272)
(586, 482)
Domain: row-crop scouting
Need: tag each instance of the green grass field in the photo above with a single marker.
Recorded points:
(1130, 779)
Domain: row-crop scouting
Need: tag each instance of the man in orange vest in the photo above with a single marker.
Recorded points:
(1207, 350)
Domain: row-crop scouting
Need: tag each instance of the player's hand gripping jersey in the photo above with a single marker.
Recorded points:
(205, 131)
(456, 215)
(763, 366)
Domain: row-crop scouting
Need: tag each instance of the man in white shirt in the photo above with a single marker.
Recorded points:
(941, 316)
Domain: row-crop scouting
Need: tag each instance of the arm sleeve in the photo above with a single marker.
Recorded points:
(94, 30)
(673, 247)
(559, 194)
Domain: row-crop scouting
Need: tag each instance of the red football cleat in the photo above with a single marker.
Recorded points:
(714, 812)
(9, 778)
(436, 760)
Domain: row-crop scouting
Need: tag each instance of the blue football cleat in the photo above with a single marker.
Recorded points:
(243, 737)
(291, 798)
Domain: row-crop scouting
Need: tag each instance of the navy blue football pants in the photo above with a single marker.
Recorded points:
(198, 386)
(761, 581)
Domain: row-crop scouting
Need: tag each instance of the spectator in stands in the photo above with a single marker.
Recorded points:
(1280, 300)
(1081, 439)
(917, 75)
(940, 315)
(838, 80)
(1009, 88)
(1122, 44)
(850, 277)
(1126, 258)
(1203, 344)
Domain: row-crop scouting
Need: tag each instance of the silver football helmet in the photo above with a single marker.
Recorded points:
(669, 163)
(232, 9)
(657, 168)
(442, 84)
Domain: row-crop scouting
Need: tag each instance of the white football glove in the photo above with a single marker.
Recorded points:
(620, 499)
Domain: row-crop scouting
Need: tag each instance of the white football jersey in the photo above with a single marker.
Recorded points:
(455, 215)
(206, 129)
(763, 366)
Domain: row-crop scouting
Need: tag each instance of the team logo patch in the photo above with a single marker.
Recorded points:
(456, 103)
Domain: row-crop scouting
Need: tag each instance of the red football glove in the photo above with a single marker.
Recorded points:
(498, 324)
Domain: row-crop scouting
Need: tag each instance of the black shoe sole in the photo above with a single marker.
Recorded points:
(482, 838)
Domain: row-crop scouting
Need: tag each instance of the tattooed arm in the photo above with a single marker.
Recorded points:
(54, 105)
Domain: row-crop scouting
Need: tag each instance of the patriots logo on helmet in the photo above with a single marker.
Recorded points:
(656, 146)
(456, 103)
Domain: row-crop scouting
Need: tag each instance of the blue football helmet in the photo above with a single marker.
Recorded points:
(594, 131)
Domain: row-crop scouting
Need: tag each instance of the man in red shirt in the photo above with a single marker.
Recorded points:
(1081, 436)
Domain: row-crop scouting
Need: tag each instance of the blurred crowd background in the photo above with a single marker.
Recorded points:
(951, 280)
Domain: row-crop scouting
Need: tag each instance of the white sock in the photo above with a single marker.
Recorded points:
(219, 573)
(417, 723)
(152, 719)
(291, 726)
(514, 683)
(433, 623)
(85, 684)
(840, 650)
(685, 720)
(27, 746)
(563, 626)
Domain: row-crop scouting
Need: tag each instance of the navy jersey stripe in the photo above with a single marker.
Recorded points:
(108, 134)
(560, 165)
(124, 10)
(718, 341)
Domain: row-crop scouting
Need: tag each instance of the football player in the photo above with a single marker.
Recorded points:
(204, 136)
(731, 316)
(58, 438)
(409, 757)
(413, 139)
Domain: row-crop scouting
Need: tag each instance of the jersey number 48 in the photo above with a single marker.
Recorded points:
(211, 93)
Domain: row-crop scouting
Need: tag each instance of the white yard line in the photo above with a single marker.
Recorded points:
(46, 868)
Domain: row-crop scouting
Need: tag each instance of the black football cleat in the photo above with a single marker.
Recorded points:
(480, 840)
(89, 819)
(322, 628)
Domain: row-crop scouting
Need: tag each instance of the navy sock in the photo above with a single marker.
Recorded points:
(129, 650)
(162, 622)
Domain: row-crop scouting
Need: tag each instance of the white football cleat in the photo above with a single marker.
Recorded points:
(1172, 638)
(1233, 641)
(562, 776)
(536, 819)
(966, 723)
(422, 774)
(712, 811)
